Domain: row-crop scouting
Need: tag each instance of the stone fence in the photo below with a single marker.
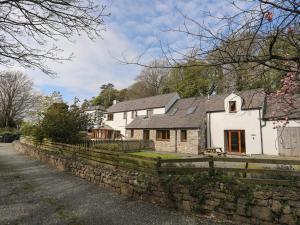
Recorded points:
(219, 196)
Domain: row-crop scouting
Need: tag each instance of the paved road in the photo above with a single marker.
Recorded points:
(34, 194)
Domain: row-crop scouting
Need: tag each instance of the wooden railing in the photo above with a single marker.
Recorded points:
(96, 157)
(124, 145)
(260, 169)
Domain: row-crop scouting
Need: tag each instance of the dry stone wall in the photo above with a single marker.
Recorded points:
(223, 198)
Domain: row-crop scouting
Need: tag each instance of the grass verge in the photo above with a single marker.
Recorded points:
(149, 154)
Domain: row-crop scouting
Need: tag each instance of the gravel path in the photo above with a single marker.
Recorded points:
(33, 194)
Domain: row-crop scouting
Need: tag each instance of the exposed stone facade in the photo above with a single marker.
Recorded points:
(195, 139)
(255, 205)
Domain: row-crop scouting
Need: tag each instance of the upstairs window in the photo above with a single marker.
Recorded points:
(149, 113)
(125, 115)
(110, 117)
(232, 106)
(183, 135)
(133, 114)
(163, 135)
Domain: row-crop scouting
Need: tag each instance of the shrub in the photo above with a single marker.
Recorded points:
(8, 131)
(27, 129)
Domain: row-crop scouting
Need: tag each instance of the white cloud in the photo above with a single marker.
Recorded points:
(92, 66)
(133, 27)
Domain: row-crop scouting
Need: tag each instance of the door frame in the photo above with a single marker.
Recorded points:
(228, 139)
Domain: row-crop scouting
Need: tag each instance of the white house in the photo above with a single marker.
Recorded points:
(120, 114)
(238, 123)
(236, 127)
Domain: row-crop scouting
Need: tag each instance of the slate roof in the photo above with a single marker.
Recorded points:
(191, 112)
(142, 103)
(95, 107)
(252, 99)
(278, 105)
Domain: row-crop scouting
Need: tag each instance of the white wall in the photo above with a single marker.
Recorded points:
(270, 138)
(247, 120)
(119, 123)
(159, 111)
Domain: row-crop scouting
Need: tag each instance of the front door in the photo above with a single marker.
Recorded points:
(235, 141)
(146, 134)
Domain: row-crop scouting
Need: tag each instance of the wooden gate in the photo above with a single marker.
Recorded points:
(289, 141)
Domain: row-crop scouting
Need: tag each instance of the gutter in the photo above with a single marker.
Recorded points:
(260, 128)
(209, 130)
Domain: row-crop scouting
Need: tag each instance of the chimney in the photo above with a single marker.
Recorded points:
(114, 102)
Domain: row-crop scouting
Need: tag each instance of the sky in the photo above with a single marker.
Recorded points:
(132, 28)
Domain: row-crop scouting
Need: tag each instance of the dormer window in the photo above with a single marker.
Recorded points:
(110, 117)
(133, 114)
(149, 113)
(232, 106)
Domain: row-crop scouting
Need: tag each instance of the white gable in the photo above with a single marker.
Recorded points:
(233, 97)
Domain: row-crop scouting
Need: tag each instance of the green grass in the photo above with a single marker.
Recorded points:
(156, 155)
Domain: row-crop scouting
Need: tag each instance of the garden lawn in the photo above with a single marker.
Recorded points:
(149, 154)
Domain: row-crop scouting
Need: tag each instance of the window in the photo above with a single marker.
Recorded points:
(133, 114)
(232, 106)
(191, 110)
(110, 117)
(149, 113)
(132, 133)
(163, 135)
(183, 135)
(125, 115)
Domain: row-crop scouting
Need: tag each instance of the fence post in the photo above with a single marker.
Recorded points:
(211, 166)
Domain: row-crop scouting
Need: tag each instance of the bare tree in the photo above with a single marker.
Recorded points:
(154, 77)
(16, 98)
(29, 28)
(262, 37)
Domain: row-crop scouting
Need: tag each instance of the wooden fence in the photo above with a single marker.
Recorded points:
(96, 157)
(124, 145)
(249, 169)
(261, 170)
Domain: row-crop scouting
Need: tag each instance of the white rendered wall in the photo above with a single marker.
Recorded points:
(270, 139)
(159, 111)
(119, 123)
(248, 120)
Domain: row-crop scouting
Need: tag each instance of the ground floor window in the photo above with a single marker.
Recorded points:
(235, 141)
(183, 135)
(163, 135)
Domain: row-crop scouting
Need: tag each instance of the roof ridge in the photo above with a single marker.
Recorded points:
(146, 97)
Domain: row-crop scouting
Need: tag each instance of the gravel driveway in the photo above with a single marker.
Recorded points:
(33, 194)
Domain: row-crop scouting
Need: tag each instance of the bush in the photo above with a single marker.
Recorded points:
(28, 129)
(60, 123)
(108, 146)
(9, 131)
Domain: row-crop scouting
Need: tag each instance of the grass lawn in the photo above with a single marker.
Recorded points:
(156, 155)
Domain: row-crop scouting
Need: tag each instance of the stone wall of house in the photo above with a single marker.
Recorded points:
(166, 145)
(224, 199)
(191, 145)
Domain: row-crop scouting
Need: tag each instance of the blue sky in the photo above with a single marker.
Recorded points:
(132, 27)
